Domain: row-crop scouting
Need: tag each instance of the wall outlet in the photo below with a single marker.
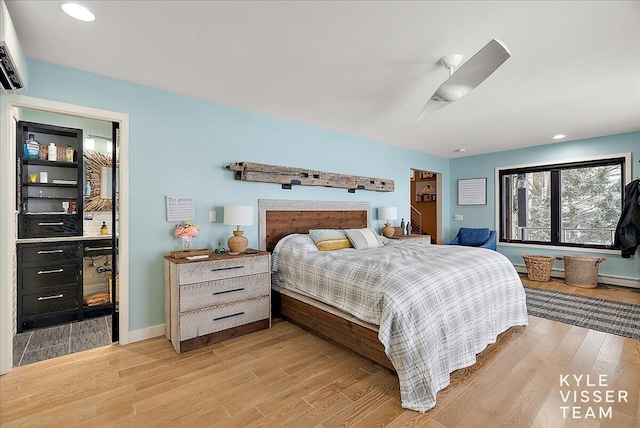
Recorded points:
(458, 217)
(212, 217)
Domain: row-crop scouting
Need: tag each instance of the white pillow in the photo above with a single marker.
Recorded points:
(363, 238)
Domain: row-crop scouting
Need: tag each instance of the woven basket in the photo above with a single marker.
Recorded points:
(581, 271)
(185, 254)
(538, 267)
(61, 153)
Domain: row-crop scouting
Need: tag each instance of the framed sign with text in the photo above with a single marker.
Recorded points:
(472, 191)
(180, 207)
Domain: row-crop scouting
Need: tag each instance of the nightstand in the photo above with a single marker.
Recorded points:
(422, 239)
(215, 299)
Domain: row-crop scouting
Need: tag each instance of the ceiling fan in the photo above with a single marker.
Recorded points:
(462, 80)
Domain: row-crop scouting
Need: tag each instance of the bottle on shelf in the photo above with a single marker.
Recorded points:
(69, 154)
(87, 188)
(31, 148)
(104, 230)
(53, 152)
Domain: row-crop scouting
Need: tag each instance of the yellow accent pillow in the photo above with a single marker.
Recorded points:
(330, 239)
(336, 244)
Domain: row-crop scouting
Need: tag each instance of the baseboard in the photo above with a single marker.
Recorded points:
(146, 333)
(603, 279)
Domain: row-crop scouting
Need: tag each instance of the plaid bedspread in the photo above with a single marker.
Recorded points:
(436, 306)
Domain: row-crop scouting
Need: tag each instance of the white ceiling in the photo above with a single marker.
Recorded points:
(367, 68)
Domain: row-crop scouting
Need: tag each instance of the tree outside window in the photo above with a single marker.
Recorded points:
(575, 204)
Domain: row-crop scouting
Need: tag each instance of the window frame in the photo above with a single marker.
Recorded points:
(623, 159)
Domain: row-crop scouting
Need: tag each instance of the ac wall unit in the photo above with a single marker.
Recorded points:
(13, 65)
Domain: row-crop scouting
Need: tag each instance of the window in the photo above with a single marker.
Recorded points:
(573, 204)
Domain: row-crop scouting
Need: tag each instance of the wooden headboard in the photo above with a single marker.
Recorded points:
(279, 218)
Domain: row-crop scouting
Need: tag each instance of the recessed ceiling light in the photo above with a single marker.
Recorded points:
(461, 150)
(78, 12)
(559, 137)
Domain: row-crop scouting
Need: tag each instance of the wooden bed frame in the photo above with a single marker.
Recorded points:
(279, 218)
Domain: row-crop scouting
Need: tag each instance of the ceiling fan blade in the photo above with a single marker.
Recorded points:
(432, 105)
(480, 66)
(469, 75)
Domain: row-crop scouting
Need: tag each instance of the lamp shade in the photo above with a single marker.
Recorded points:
(238, 215)
(387, 213)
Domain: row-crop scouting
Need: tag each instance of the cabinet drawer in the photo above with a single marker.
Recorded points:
(205, 321)
(213, 293)
(45, 253)
(98, 248)
(50, 275)
(54, 300)
(212, 270)
(41, 226)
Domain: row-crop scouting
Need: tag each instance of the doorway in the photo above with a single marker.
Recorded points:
(47, 329)
(9, 113)
(426, 204)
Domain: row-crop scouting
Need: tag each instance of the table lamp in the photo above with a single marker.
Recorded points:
(387, 213)
(238, 215)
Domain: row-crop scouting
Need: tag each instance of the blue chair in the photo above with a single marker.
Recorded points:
(472, 237)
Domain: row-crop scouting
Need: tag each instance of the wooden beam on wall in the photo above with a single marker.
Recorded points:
(290, 176)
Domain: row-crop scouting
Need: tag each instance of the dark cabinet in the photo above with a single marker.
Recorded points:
(40, 306)
(39, 255)
(101, 247)
(49, 188)
(49, 192)
(51, 275)
(49, 225)
(99, 252)
(49, 283)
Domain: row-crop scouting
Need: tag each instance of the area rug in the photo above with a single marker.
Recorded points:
(622, 319)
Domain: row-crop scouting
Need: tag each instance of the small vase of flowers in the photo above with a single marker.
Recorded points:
(186, 232)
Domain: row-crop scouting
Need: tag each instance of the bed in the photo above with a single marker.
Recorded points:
(423, 311)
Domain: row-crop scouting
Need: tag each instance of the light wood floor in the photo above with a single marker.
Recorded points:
(285, 376)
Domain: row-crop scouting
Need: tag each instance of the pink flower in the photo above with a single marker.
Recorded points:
(187, 231)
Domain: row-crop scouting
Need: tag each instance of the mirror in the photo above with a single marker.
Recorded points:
(98, 168)
(105, 185)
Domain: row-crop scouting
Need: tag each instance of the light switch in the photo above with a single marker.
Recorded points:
(212, 217)
(458, 217)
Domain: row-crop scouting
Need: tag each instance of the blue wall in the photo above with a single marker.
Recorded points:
(484, 166)
(180, 146)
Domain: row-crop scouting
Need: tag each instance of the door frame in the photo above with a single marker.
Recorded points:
(8, 213)
(439, 238)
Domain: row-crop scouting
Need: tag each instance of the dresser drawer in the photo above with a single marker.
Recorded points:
(53, 300)
(213, 270)
(213, 293)
(45, 253)
(205, 321)
(421, 240)
(417, 239)
(45, 226)
(97, 248)
(33, 278)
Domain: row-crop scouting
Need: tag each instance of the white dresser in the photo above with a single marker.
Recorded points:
(420, 239)
(215, 299)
